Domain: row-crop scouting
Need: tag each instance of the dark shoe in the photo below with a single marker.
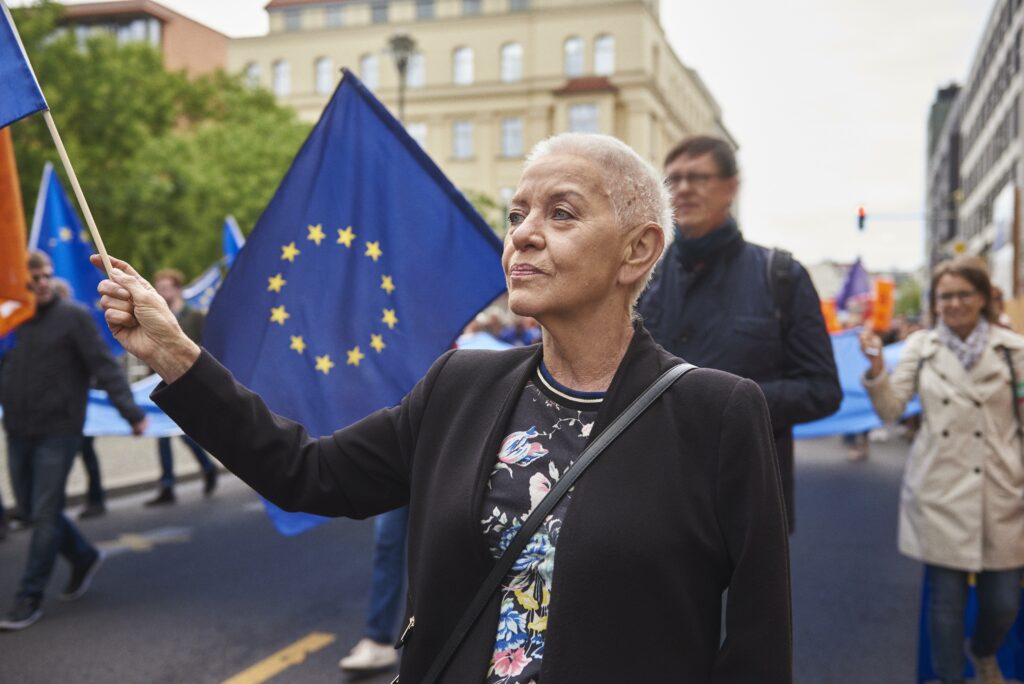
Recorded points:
(209, 481)
(92, 511)
(164, 497)
(3, 528)
(81, 578)
(17, 521)
(23, 613)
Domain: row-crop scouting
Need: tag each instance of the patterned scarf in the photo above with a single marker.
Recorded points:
(970, 349)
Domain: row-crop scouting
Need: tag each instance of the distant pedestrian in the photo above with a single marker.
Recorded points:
(44, 387)
(962, 500)
(721, 302)
(169, 282)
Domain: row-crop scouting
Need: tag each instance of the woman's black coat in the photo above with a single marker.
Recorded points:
(684, 504)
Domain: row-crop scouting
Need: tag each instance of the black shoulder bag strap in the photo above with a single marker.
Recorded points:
(780, 280)
(525, 533)
(1013, 398)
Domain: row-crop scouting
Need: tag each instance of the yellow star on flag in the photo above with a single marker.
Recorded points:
(373, 251)
(66, 234)
(387, 284)
(345, 237)
(377, 342)
(316, 234)
(275, 283)
(289, 252)
(390, 318)
(324, 364)
(83, 235)
(355, 356)
(279, 315)
(298, 344)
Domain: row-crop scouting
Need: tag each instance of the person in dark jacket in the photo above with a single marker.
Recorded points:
(715, 301)
(623, 581)
(44, 389)
(169, 283)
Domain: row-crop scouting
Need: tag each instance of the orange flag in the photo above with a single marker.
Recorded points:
(17, 304)
(885, 304)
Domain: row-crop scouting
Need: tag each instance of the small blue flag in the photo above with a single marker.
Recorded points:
(362, 270)
(200, 292)
(233, 240)
(20, 94)
(57, 231)
(857, 284)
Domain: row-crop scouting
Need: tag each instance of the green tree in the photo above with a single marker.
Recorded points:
(162, 158)
(908, 298)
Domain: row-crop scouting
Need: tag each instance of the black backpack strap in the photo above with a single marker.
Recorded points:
(780, 283)
(543, 509)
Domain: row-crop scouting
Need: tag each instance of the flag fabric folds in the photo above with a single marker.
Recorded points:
(20, 94)
(200, 292)
(362, 270)
(857, 284)
(16, 303)
(233, 240)
(57, 231)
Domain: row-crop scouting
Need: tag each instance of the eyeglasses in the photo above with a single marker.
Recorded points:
(694, 180)
(962, 295)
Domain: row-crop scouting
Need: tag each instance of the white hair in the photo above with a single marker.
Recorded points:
(635, 188)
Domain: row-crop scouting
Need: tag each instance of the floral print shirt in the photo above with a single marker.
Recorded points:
(548, 430)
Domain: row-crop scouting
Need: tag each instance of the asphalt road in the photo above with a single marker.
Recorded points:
(206, 591)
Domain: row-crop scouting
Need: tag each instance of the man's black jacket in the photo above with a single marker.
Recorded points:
(720, 313)
(683, 504)
(44, 379)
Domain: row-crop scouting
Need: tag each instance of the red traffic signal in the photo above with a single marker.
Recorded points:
(861, 217)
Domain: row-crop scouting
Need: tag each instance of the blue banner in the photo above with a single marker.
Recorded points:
(20, 94)
(233, 240)
(364, 267)
(57, 231)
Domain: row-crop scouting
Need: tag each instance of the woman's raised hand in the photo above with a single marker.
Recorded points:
(871, 346)
(142, 322)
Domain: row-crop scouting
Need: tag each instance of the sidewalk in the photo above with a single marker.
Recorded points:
(127, 464)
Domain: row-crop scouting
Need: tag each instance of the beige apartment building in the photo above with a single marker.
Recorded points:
(489, 78)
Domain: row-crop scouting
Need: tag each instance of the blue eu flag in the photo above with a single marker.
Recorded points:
(364, 267)
(57, 231)
(19, 90)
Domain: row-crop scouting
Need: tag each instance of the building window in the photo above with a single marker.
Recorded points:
(462, 140)
(512, 137)
(424, 9)
(252, 74)
(282, 78)
(369, 71)
(154, 32)
(418, 132)
(335, 16)
(505, 195)
(518, 5)
(462, 66)
(511, 62)
(583, 118)
(604, 55)
(416, 71)
(470, 7)
(574, 56)
(292, 19)
(379, 12)
(324, 75)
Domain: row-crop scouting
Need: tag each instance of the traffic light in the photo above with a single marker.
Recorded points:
(861, 217)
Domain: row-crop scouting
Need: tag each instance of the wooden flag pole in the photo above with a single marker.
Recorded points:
(93, 230)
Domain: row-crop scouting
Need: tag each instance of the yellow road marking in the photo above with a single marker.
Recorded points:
(279, 662)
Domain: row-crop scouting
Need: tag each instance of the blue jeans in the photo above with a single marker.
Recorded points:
(163, 445)
(388, 574)
(39, 469)
(95, 496)
(998, 601)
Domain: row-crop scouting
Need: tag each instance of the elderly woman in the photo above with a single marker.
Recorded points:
(962, 501)
(623, 582)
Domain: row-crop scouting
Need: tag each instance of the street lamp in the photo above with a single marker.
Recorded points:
(402, 48)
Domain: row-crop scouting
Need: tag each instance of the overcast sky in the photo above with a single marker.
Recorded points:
(828, 100)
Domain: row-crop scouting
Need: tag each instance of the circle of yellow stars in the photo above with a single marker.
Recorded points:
(279, 314)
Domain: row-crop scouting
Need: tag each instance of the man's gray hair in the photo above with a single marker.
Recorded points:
(634, 186)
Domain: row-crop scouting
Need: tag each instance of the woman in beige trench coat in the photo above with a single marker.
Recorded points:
(962, 498)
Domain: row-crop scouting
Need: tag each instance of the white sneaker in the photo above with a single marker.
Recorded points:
(369, 655)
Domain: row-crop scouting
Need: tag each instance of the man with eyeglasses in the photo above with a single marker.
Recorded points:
(721, 302)
(44, 388)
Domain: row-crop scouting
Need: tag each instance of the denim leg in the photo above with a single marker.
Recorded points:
(51, 531)
(201, 458)
(388, 574)
(92, 468)
(947, 601)
(998, 603)
(19, 467)
(163, 447)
